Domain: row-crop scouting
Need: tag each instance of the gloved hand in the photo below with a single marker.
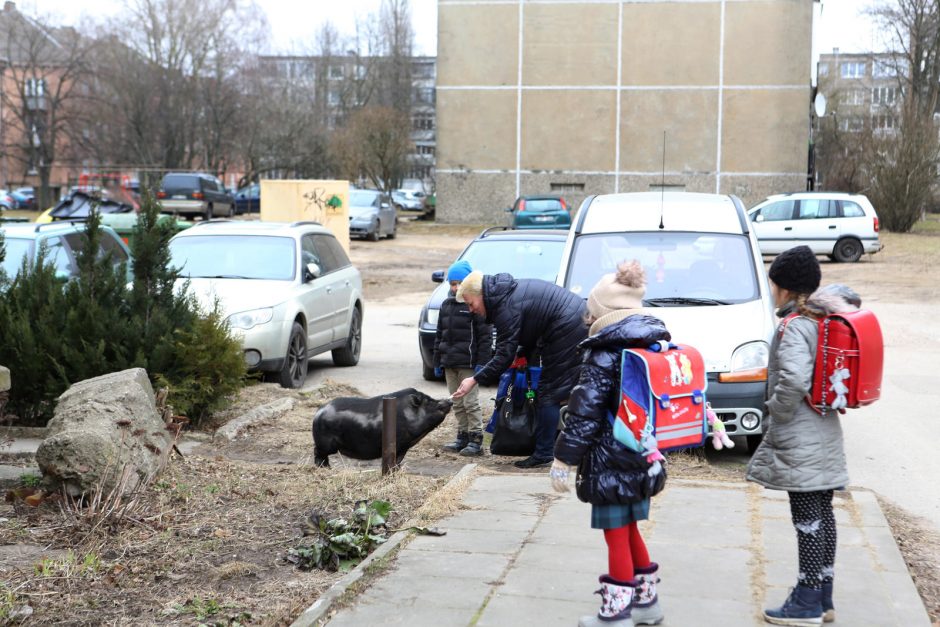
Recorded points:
(477, 369)
(559, 473)
(438, 371)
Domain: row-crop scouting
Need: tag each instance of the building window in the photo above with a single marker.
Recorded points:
(853, 69)
(423, 149)
(852, 97)
(823, 69)
(423, 95)
(423, 122)
(336, 71)
(35, 92)
(884, 95)
(420, 172)
(334, 98)
(567, 187)
(883, 69)
(884, 122)
(423, 70)
(361, 71)
(851, 124)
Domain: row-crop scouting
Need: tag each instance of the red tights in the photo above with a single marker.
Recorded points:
(625, 551)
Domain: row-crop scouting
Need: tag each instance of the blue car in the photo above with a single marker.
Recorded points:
(248, 199)
(525, 254)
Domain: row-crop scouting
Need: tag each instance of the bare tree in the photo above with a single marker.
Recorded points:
(396, 49)
(45, 71)
(375, 145)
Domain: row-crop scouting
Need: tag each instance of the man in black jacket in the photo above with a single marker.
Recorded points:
(463, 341)
(530, 313)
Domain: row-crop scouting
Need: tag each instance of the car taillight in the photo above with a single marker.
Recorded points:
(197, 195)
(875, 219)
(563, 204)
(522, 205)
(161, 194)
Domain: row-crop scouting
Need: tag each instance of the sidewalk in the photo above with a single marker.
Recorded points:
(522, 555)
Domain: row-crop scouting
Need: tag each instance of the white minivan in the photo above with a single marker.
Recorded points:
(840, 225)
(705, 280)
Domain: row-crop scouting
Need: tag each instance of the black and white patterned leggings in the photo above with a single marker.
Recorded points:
(816, 536)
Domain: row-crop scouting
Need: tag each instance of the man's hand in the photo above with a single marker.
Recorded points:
(465, 386)
(559, 475)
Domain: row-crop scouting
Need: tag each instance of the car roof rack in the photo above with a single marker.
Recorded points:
(212, 221)
(494, 229)
(305, 222)
(59, 223)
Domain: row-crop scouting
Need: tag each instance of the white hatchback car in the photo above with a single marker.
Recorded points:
(288, 291)
(705, 280)
(842, 226)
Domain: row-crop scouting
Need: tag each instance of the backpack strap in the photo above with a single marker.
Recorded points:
(782, 327)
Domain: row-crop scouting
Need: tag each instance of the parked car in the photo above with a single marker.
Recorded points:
(705, 280)
(288, 291)
(25, 198)
(371, 216)
(539, 212)
(7, 202)
(523, 254)
(841, 226)
(248, 199)
(63, 241)
(409, 200)
(195, 194)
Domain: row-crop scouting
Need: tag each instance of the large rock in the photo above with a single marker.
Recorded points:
(101, 426)
(4, 379)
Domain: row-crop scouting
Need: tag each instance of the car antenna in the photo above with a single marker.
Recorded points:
(662, 185)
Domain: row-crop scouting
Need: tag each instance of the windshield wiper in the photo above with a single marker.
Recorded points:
(220, 276)
(682, 300)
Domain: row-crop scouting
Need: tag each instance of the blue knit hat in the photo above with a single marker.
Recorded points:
(459, 271)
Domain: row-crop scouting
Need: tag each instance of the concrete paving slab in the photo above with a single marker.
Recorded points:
(470, 541)
(505, 609)
(409, 588)
(480, 566)
(493, 520)
(535, 557)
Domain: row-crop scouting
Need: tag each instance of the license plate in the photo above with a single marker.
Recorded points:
(543, 219)
(179, 197)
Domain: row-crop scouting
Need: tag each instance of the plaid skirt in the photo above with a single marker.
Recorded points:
(614, 516)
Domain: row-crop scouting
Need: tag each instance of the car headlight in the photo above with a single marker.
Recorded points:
(252, 318)
(750, 355)
(433, 315)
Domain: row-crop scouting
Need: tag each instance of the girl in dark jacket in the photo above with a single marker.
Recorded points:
(616, 480)
(529, 315)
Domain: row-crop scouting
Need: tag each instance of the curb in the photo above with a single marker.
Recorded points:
(274, 409)
(321, 606)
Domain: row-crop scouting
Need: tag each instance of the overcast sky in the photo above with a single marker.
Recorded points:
(293, 22)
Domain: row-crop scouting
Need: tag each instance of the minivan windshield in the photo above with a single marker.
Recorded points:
(263, 257)
(682, 269)
(522, 259)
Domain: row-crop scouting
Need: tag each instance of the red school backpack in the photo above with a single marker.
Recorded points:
(849, 361)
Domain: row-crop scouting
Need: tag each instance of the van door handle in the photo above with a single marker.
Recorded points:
(788, 228)
(832, 226)
(329, 290)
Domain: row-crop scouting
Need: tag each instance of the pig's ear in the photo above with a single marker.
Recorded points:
(415, 401)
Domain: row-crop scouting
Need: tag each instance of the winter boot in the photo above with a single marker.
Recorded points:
(646, 610)
(463, 438)
(616, 603)
(474, 447)
(829, 610)
(803, 608)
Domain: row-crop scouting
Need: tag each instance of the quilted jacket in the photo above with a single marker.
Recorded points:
(463, 340)
(801, 450)
(608, 472)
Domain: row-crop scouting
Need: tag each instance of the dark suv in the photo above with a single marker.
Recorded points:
(195, 194)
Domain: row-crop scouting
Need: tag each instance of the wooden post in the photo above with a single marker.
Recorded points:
(389, 430)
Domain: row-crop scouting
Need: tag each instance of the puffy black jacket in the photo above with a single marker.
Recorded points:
(608, 471)
(525, 311)
(463, 340)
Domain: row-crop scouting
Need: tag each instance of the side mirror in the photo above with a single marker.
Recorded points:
(313, 271)
(437, 276)
(758, 218)
(508, 209)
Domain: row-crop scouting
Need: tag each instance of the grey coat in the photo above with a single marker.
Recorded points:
(801, 451)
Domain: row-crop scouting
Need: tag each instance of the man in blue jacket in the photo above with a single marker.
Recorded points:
(529, 314)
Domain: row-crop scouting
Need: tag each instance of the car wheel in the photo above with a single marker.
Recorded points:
(847, 250)
(753, 441)
(391, 234)
(208, 215)
(348, 355)
(373, 234)
(231, 211)
(294, 372)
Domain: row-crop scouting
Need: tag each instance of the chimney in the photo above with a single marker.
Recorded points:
(9, 6)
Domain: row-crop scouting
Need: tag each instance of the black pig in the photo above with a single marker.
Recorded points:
(353, 426)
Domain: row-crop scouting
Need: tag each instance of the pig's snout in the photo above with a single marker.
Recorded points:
(445, 405)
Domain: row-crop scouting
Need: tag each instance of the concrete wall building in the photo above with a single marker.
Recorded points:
(861, 89)
(540, 96)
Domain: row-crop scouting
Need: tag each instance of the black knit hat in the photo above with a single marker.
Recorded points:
(796, 270)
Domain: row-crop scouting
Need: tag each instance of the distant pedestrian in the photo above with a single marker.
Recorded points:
(529, 315)
(463, 342)
(802, 451)
(616, 480)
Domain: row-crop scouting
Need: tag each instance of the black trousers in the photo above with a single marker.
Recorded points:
(815, 526)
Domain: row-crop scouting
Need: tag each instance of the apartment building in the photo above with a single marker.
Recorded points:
(340, 84)
(600, 96)
(862, 91)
